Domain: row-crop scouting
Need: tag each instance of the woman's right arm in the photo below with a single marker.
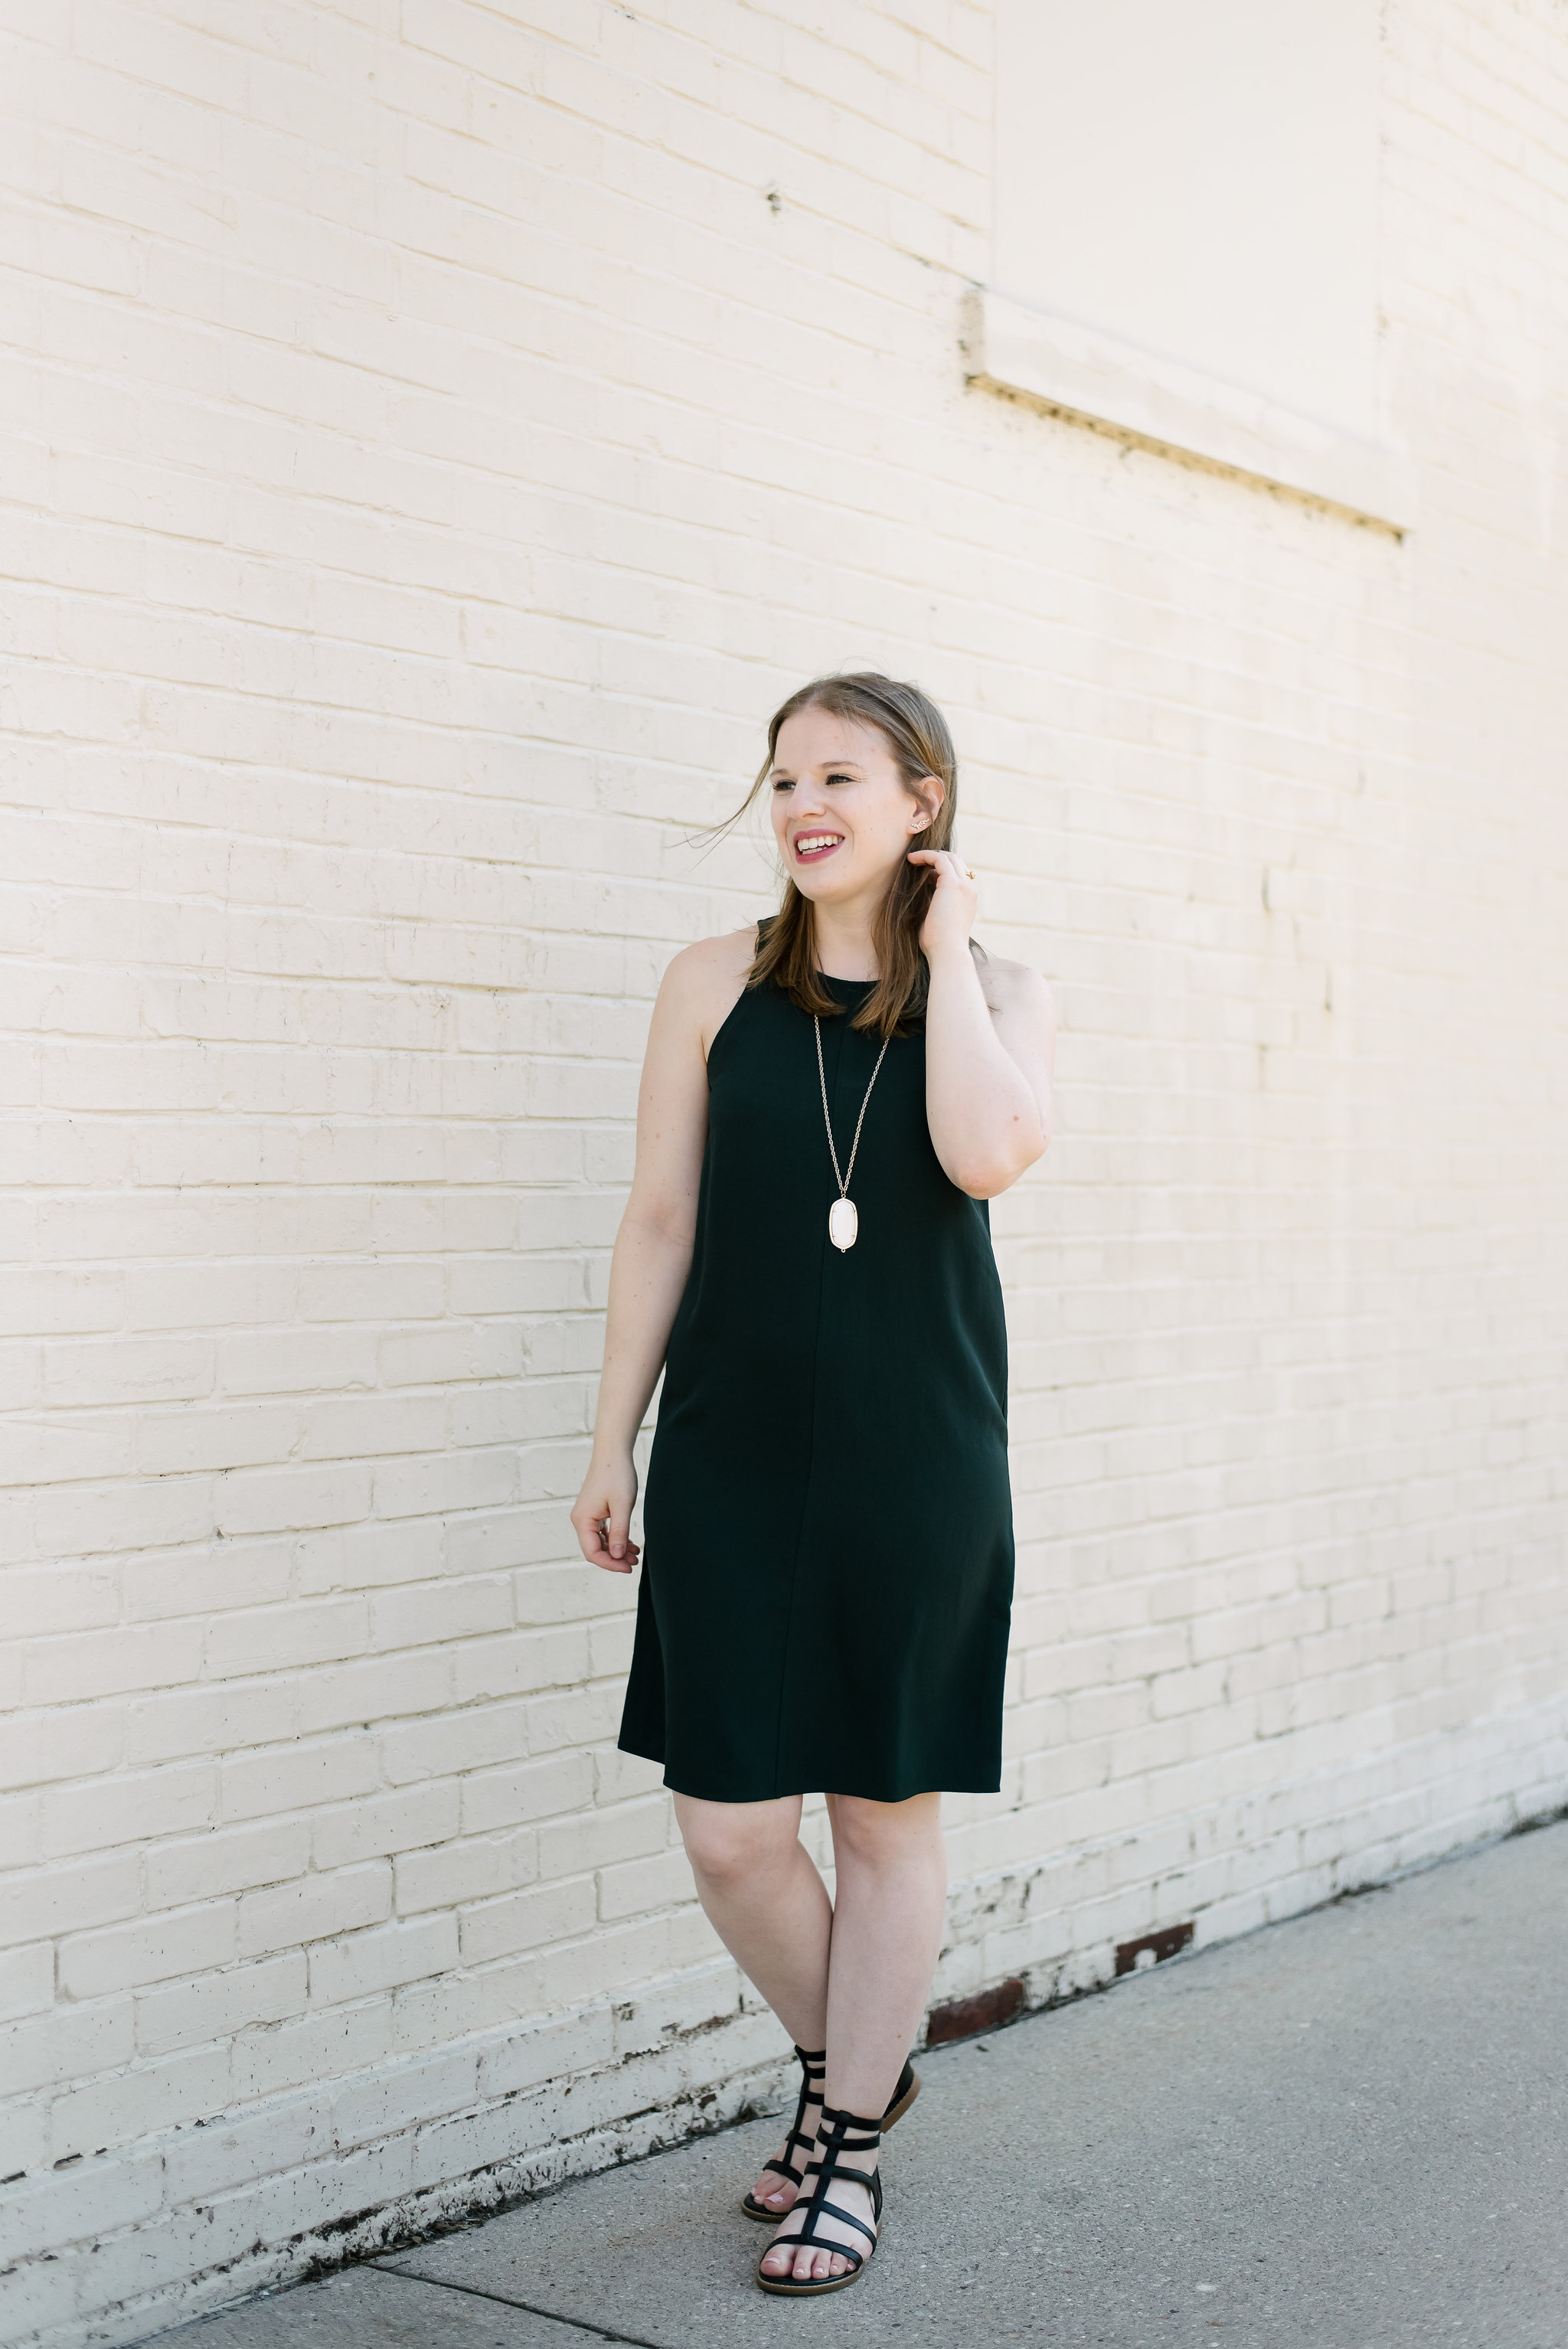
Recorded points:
(653, 1246)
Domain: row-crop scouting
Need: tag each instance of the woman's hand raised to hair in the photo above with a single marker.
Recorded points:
(602, 1517)
(949, 915)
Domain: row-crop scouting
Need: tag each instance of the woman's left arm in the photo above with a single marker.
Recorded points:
(988, 1046)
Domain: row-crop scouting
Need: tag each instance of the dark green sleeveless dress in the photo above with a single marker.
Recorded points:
(828, 1525)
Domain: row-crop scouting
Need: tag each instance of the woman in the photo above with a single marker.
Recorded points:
(828, 1521)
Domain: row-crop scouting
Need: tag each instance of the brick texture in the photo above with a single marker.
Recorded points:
(436, 435)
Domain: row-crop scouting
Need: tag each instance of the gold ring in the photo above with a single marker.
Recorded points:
(969, 872)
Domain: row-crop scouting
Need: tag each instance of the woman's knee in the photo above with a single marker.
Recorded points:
(728, 1843)
(886, 1833)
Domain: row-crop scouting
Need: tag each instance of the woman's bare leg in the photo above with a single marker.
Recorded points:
(764, 1899)
(888, 1916)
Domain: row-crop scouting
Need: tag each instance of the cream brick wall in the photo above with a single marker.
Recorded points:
(432, 451)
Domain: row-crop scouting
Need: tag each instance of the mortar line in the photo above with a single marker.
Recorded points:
(477, 2291)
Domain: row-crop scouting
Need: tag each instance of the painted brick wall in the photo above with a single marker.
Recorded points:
(436, 435)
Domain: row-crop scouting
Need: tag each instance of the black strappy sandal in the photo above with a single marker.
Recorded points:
(814, 2072)
(815, 2067)
(833, 2141)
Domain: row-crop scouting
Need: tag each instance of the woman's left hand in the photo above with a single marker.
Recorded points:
(949, 915)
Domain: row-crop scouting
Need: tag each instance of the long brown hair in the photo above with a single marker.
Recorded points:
(915, 731)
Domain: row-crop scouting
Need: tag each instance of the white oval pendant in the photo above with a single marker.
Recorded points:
(843, 1223)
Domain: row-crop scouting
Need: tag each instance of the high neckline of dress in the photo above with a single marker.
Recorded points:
(844, 982)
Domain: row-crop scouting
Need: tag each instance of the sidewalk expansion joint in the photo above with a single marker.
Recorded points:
(529, 2307)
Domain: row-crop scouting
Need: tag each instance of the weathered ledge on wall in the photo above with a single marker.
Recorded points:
(1089, 375)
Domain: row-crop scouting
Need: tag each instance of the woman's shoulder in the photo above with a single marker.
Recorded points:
(721, 962)
(702, 983)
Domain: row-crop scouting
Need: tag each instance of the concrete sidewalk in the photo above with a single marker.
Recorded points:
(1346, 2132)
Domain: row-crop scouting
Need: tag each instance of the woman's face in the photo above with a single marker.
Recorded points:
(842, 815)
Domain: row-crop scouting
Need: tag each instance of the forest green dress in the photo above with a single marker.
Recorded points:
(828, 1525)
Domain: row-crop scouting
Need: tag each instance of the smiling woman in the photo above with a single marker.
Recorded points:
(826, 1594)
(854, 812)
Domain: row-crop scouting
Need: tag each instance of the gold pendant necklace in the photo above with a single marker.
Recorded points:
(844, 1223)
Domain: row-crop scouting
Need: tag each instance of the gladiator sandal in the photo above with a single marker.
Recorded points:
(813, 2071)
(814, 2067)
(833, 2141)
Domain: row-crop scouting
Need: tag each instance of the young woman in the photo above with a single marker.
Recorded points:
(830, 1097)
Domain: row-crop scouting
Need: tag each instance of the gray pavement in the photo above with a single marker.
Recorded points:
(1346, 2132)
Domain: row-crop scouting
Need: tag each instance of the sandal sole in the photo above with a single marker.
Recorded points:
(893, 2114)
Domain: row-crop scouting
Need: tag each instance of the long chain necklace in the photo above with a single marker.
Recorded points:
(844, 1222)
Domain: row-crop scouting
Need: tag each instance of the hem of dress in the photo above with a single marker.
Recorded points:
(651, 1750)
(856, 1793)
